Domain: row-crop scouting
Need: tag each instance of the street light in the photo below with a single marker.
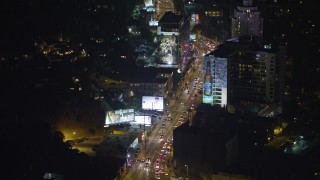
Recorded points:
(187, 171)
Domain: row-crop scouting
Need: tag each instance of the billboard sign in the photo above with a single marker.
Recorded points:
(152, 103)
(214, 80)
(142, 120)
(195, 18)
(221, 72)
(168, 50)
(207, 81)
(119, 116)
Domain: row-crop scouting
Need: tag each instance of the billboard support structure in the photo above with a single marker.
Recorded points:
(151, 103)
(144, 129)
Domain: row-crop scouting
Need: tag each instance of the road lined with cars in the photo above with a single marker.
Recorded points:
(154, 159)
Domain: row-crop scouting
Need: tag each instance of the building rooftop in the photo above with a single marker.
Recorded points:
(214, 119)
(238, 44)
(170, 18)
(142, 75)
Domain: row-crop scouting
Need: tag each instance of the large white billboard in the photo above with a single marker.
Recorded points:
(152, 103)
(142, 120)
(119, 116)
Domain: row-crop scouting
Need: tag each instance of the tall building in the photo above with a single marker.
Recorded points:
(246, 20)
(253, 76)
(244, 73)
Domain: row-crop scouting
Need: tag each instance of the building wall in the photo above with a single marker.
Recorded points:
(252, 76)
(187, 151)
(203, 152)
(149, 89)
(181, 29)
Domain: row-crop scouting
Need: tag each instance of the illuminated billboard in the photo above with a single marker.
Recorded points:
(153, 23)
(221, 79)
(148, 3)
(195, 18)
(167, 51)
(193, 37)
(214, 80)
(207, 96)
(142, 120)
(119, 116)
(163, 55)
(152, 103)
(220, 72)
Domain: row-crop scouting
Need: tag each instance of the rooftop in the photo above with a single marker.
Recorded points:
(142, 75)
(113, 140)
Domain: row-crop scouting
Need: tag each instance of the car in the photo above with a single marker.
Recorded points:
(161, 136)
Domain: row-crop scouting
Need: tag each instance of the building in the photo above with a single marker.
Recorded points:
(205, 146)
(139, 82)
(151, 82)
(214, 17)
(253, 76)
(173, 30)
(246, 20)
(218, 141)
(243, 73)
